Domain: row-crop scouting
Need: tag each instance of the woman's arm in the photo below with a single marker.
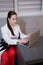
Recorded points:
(6, 37)
(10, 41)
(22, 35)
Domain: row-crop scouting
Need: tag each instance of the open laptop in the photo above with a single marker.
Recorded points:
(34, 37)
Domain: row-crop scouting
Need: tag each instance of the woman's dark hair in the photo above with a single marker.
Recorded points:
(10, 13)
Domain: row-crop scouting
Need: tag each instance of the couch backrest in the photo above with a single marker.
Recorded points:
(2, 22)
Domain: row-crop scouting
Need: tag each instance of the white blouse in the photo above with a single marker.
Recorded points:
(8, 37)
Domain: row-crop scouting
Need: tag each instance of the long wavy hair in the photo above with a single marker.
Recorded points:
(10, 13)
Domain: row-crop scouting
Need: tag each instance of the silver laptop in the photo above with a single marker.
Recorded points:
(34, 37)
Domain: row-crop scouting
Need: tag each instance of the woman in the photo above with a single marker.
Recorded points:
(12, 34)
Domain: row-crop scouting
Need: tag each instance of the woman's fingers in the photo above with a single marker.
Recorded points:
(24, 40)
(28, 35)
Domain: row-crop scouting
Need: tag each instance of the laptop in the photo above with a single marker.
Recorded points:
(34, 38)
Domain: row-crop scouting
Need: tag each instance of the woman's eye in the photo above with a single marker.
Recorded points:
(15, 19)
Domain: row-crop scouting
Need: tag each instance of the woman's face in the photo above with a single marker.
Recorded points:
(13, 20)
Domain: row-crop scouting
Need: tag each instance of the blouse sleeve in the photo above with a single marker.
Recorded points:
(22, 35)
(6, 37)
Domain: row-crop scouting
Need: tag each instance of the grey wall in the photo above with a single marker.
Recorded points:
(28, 24)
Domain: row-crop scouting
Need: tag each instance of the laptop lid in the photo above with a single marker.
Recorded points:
(34, 37)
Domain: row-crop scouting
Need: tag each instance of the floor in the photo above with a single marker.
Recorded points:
(41, 63)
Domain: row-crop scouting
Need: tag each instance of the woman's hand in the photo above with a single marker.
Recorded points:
(28, 36)
(23, 40)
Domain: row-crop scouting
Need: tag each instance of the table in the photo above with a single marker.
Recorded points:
(30, 55)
